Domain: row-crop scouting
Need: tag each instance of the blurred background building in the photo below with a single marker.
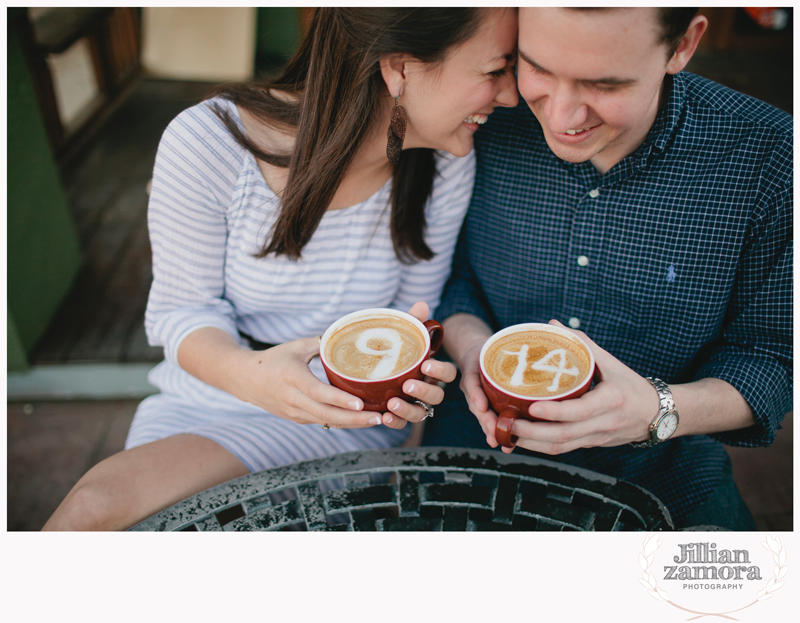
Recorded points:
(90, 90)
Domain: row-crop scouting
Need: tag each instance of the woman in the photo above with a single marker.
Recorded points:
(367, 141)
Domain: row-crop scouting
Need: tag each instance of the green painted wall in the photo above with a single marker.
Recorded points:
(277, 37)
(17, 360)
(43, 253)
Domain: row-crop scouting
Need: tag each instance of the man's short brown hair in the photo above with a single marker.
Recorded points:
(674, 23)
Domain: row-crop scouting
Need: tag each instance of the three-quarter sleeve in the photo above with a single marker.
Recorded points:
(194, 176)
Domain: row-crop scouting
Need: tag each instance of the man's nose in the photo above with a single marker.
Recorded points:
(565, 109)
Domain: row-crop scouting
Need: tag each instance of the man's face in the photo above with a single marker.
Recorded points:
(592, 78)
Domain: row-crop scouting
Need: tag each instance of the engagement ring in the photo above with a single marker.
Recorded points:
(428, 409)
(325, 427)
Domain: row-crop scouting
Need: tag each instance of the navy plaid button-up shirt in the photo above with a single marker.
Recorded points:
(678, 261)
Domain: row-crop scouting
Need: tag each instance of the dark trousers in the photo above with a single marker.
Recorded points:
(454, 426)
(724, 508)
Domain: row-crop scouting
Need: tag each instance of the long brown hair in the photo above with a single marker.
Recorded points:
(336, 96)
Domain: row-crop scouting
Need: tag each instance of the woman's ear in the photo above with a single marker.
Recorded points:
(393, 70)
(688, 44)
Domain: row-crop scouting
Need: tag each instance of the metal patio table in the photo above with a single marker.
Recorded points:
(418, 489)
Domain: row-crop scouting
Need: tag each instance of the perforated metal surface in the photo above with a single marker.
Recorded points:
(418, 489)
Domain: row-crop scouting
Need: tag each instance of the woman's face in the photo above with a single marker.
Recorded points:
(446, 104)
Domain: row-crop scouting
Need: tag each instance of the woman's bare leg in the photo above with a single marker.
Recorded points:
(130, 486)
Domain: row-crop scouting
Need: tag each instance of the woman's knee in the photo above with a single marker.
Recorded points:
(133, 484)
(90, 505)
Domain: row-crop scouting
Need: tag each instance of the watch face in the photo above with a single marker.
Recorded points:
(667, 426)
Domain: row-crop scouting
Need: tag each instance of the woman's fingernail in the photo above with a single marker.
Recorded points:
(389, 419)
(413, 388)
(375, 420)
(355, 405)
(427, 367)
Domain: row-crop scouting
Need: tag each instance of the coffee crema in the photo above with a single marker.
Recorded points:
(374, 348)
(536, 363)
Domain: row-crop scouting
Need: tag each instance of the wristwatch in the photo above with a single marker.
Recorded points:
(666, 421)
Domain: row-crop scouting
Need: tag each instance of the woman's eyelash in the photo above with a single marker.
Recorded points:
(498, 73)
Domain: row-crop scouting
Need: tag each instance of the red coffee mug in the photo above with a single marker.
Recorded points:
(376, 394)
(510, 406)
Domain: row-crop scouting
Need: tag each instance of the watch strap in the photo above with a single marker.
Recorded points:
(666, 404)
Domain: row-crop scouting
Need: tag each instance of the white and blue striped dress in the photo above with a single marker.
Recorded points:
(210, 210)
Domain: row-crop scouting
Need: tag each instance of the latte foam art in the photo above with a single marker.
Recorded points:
(387, 344)
(375, 348)
(544, 364)
(536, 363)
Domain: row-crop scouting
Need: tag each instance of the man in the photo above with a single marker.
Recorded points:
(652, 209)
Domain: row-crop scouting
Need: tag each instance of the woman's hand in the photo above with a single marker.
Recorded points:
(278, 379)
(427, 390)
(282, 383)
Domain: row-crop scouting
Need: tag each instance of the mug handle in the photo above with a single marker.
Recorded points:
(436, 332)
(503, 430)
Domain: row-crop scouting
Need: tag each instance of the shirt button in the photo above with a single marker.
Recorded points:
(595, 192)
(583, 261)
(575, 323)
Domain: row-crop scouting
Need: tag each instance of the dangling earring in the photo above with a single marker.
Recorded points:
(396, 133)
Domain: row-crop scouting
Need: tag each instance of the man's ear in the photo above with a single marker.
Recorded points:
(393, 70)
(688, 44)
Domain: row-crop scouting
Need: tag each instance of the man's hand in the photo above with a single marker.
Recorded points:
(464, 336)
(476, 399)
(621, 406)
(616, 411)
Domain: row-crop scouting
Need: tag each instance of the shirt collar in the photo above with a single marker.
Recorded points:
(668, 118)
